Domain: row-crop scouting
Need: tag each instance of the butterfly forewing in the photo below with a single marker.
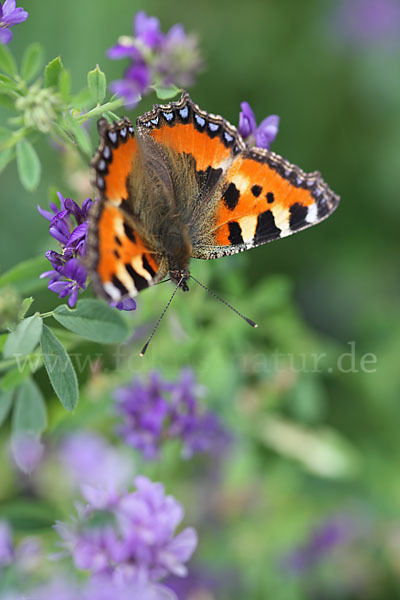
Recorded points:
(265, 198)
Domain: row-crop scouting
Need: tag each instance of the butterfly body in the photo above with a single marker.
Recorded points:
(185, 185)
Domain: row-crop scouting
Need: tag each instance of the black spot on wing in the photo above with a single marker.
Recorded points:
(266, 228)
(147, 266)
(298, 214)
(119, 285)
(126, 206)
(270, 197)
(231, 196)
(256, 190)
(208, 178)
(139, 281)
(117, 240)
(235, 233)
(129, 232)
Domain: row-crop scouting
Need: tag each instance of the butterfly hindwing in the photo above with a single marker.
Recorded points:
(124, 265)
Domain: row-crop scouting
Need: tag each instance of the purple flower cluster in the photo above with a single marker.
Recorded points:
(261, 136)
(160, 410)
(69, 226)
(157, 59)
(9, 16)
(129, 539)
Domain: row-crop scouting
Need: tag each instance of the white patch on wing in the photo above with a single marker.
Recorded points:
(126, 279)
(112, 291)
(312, 214)
(241, 182)
(281, 218)
(137, 264)
(248, 226)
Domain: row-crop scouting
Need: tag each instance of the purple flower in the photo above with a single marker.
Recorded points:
(180, 60)
(323, 540)
(88, 459)
(135, 83)
(27, 451)
(23, 557)
(69, 226)
(147, 30)
(261, 136)
(158, 410)
(145, 409)
(9, 16)
(130, 539)
(156, 59)
(6, 544)
(369, 20)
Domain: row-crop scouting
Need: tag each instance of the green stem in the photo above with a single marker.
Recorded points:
(47, 314)
(99, 110)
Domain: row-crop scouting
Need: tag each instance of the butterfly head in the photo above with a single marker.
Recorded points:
(180, 277)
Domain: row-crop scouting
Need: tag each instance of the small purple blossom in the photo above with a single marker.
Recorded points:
(157, 59)
(147, 30)
(369, 21)
(261, 136)
(69, 226)
(323, 540)
(130, 539)
(27, 451)
(161, 410)
(88, 459)
(24, 556)
(10, 15)
(6, 544)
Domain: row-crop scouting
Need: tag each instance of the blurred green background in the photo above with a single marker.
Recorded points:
(311, 445)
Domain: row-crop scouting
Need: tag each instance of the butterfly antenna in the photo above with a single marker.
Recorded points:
(160, 319)
(249, 321)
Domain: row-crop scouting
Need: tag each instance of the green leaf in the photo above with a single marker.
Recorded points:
(64, 85)
(29, 514)
(94, 320)
(5, 404)
(97, 84)
(7, 101)
(52, 72)
(165, 92)
(24, 277)
(59, 369)
(5, 134)
(28, 164)
(5, 157)
(26, 366)
(6, 83)
(32, 62)
(25, 306)
(30, 410)
(80, 134)
(24, 338)
(7, 62)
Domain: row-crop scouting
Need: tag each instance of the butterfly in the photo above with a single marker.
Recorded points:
(185, 185)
